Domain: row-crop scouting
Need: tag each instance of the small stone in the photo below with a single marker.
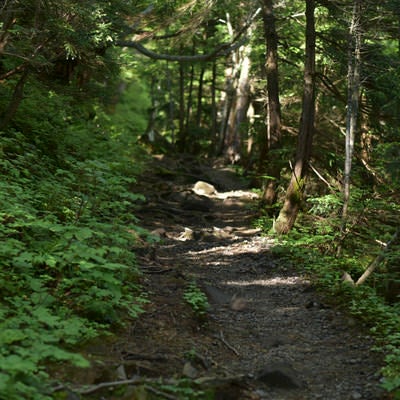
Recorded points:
(160, 232)
(189, 371)
(238, 303)
(356, 396)
(353, 361)
(121, 373)
(204, 188)
(187, 234)
(221, 233)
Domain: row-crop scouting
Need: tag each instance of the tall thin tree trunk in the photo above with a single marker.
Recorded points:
(182, 131)
(171, 104)
(189, 104)
(239, 105)
(214, 106)
(200, 96)
(353, 84)
(289, 211)
(15, 101)
(272, 138)
(229, 91)
(7, 19)
(150, 130)
(226, 100)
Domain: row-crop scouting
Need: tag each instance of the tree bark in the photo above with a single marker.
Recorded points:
(228, 94)
(240, 103)
(182, 134)
(294, 193)
(8, 20)
(200, 96)
(225, 106)
(171, 102)
(214, 105)
(239, 109)
(190, 99)
(353, 85)
(16, 99)
(272, 138)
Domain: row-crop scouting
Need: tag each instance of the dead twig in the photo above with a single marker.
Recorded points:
(321, 178)
(378, 259)
(103, 385)
(346, 277)
(221, 337)
(160, 393)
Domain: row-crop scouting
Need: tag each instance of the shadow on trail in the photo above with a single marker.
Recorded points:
(267, 334)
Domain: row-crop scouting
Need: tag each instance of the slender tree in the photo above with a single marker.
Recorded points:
(239, 106)
(271, 140)
(200, 95)
(353, 95)
(183, 133)
(238, 91)
(289, 211)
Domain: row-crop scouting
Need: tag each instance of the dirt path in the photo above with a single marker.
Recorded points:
(267, 334)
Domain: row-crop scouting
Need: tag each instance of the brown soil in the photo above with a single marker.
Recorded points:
(266, 335)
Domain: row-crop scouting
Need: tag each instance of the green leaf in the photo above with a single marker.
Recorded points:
(8, 336)
(43, 315)
(83, 234)
(14, 363)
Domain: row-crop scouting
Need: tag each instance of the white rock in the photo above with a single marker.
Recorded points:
(204, 189)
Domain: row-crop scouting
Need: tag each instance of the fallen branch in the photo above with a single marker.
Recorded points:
(378, 259)
(160, 393)
(321, 178)
(221, 337)
(103, 385)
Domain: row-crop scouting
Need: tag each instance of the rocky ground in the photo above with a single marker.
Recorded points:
(266, 334)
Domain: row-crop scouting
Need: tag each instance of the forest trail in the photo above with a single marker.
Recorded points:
(267, 333)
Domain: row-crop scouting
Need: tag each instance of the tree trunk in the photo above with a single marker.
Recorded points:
(353, 84)
(229, 91)
(171, 103)
(226, 100)
(7, 20)
(182, 131)
(189, 99)
(239, 105)
(214, 107)
(153, 112)
(200, 96)
(294, 193)
(15, 101)
(272, 138)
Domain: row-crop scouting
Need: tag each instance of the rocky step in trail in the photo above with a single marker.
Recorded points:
(267, 334)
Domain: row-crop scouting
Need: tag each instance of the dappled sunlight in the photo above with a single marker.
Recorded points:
(275, 281)
(238, 245)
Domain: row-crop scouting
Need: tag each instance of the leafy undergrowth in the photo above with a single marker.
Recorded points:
(67, 229)
(318, 247)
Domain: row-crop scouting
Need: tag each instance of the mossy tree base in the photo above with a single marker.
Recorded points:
(288, 214)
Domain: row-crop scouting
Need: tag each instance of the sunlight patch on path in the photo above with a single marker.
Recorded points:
(286, 281)
(255, 245)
